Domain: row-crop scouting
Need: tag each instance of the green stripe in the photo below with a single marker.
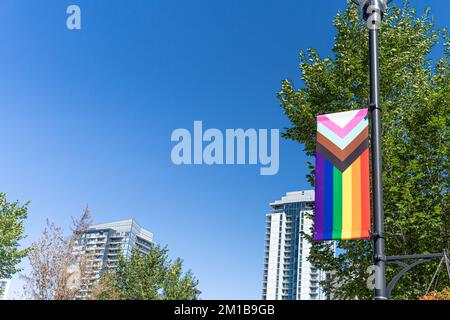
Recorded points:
(337, 203)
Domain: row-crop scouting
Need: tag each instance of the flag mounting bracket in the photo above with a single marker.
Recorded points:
(377, 235)
(379, 257)
(373, 106)
(399, 260)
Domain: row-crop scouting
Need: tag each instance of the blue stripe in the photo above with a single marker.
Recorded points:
(328, 201)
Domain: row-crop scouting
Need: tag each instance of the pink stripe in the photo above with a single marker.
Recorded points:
(342, 132)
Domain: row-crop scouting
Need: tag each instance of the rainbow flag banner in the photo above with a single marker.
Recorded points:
(342, 197)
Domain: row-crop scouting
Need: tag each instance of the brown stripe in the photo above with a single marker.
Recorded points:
(339, 153)
(342, 165)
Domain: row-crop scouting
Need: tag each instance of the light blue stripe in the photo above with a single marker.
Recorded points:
(342, 142)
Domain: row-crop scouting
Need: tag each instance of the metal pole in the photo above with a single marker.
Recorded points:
(373, 13)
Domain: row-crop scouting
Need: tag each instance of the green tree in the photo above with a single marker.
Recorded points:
(147, 277)
(415, 95)
(12, 218)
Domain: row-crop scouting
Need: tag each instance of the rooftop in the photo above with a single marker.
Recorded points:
(295, 196)
(124, 226)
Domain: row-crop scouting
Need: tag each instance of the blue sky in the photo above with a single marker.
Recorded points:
(86, 117)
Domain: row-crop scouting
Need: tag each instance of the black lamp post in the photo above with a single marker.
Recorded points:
(373, 11)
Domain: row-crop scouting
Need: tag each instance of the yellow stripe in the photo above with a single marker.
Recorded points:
(347, 203)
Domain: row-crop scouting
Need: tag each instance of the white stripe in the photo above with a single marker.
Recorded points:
(342, 142)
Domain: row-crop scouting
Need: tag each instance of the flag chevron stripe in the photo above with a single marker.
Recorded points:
(342, 154)
(339, 118)
(342, 143)
(342, 165)
(328, 121)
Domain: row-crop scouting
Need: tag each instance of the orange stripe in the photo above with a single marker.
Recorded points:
(356, 199)
(365, 195)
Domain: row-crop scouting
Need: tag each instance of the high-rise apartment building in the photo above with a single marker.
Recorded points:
(103, 243)
(4, 287)
(288, 275)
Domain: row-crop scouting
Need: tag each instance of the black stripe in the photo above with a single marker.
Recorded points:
(342, 165)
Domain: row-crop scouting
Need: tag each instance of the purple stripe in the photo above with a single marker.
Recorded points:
(319, 197)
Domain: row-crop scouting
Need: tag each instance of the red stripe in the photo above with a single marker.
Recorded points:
(365, 195)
